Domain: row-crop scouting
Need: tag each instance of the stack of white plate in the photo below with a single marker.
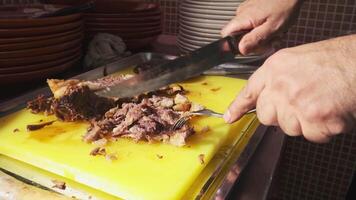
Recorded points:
(200, 21)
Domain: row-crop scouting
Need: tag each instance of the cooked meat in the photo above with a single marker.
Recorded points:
(76, 100)
(201, 158)
(100, 143)
(81, 103)
(147, 120)
(98, 151)
(215, 89)
(33, 127)
(146, 117)
(41, 104)
(59, 184)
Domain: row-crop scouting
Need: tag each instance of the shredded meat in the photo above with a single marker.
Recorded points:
(41, 104)
(98, 151)
(147, 120)
(33, 127)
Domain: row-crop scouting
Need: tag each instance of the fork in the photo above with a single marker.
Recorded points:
(205, 112)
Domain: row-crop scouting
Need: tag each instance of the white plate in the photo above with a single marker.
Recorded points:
(200, 20)
(207, 11)
(193, 42)
(203, 25)
(201, 31)
(183, 50)
(205, 16)
(232, 3)
(215, 27)
(186, 44)
(210, 5)
(197, 38)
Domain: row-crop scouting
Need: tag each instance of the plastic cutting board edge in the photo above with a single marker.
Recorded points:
(138, 173)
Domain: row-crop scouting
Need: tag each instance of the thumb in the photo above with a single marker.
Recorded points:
(247, 98)
(256, 38)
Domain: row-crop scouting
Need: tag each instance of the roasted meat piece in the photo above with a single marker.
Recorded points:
(147, 120)
(75, 99)
(81, 103)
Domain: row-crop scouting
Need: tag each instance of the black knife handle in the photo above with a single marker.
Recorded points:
(234, 40)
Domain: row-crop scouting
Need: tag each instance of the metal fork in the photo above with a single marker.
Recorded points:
(205, 112)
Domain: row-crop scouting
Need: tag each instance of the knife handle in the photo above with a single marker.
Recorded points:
(234, 40)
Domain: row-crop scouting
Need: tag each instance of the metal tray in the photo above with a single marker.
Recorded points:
(219, 191)
(110, 68)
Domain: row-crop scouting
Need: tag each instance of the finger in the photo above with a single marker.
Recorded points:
(288, 121)
(338, 125)
(235, 25)
(247, 98)
(314, 132)
(257, 37)
(268, 47)
(266, 110)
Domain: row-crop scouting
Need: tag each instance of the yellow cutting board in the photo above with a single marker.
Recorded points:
(138, 173)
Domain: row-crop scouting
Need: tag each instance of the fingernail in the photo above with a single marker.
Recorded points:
(227, 116)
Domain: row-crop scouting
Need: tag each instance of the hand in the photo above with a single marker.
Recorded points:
(265, 19)
(309, 90)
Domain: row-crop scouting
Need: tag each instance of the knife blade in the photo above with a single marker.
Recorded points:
(180, 69)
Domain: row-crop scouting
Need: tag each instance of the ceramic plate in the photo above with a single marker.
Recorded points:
(40, 43)
(215, 32)
(205, 16)
(38, 74)
(36, 38)
(201, 5)
(24, 23)
(37, 31)
(20, 54)
(232, 3)
(192, 9)
(9, 62)
(202, 25)
(199, 33)
(197, 38)
(34, 67)
(200, 20)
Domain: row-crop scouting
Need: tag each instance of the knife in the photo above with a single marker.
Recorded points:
(182, 68)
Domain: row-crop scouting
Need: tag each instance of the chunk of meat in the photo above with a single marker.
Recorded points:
(147, 120)
(34, 127)
(41, 104)
(59, 184)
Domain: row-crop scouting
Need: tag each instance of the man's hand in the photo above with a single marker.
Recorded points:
(309, 90)
(265, 19)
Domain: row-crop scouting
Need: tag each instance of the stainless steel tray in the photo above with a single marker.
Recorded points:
(239, 162)
(224, 69)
